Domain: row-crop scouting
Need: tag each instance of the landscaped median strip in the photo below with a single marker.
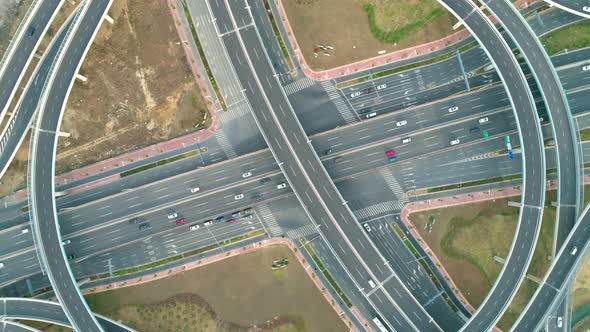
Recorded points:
(425, 266)
(202, 55)
(162, 162)
(326, 274)
(181, 256)
(277, 32)
(396, 70)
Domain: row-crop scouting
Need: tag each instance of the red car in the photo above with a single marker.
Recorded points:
(231, 222)
(390, 153)
(180, 221)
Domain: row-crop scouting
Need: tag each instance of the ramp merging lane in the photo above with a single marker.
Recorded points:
(307, 176)
(49, 312)
(42, 166)
(22, 49)
(21, 118)
(533, 158)
(573, 6)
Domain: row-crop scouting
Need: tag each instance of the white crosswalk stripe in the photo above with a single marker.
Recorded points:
(266, 216)
(382, 208)
(298, 85)
(393, 184)
(302, 232)
(235, 111)
(225, 144)
(339, 101)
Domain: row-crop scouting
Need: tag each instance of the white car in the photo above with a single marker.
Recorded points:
(559, 321)
(24, 231)
(453, 109)
(281, 185)
(248, 217)
(406, 140)
(238, 196)
(586, 9)
(173, 215)
(370, 115)
(455, 142)
(372, 283)
(381, 86)
(194, 227)
(483, 120)
(586, 67)
(195, 190)
(208, 223)
(355, 94)
(65, 242)
(367, 227)
(574, 251)
(401, 123)
(246, 174)
(1, 265)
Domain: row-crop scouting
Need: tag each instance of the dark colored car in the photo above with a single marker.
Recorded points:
(265, 181)
(220, 219)
(327, 152)
(392, 159)
(236, 214)
(339, 159)
(71, 256)
(31, 31)
(134, 221)
(248, 210)
(474, 130)
(145, 226)
(257, 196)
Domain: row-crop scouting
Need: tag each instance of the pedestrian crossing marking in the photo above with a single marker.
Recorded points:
(225, 144)
(339, 101)
(268, 219)
(298, 85)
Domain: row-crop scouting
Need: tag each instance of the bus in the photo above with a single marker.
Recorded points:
(379, 324)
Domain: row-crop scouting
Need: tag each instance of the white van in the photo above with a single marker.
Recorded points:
(370, 115)
(372, 283)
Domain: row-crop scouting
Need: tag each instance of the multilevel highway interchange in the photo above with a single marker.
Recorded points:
(309, 161)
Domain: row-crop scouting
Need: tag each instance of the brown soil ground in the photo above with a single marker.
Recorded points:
(11, 12)
(139, 91)
(344, 25)
(240, 293)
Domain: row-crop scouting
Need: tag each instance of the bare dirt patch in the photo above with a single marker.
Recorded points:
(11, 14)
(344, 24)
(240, 293)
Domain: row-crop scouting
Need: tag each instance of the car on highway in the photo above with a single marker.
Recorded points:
(282, 185)
(371, 283)
(71, 256)
(208, 222)
(66, 242)
(327, 152)
(180, 221)
(390, 153)
(370, 115)
(24, 231)
(355, 94)
(231, 221)
(248, 217)
(246, 174)
(145, 226)
(195, 190)
(367, 91)
(194, 227)
(248, 210)
(1, 265)
(586, 9)
(453, 109)
(474, 130)
(586, 67)
(455, 142)
(401, 123)
(265, 181)
(574, 251)
(406, 140)
(238, 196)
(559, 321)
(173, 215)
(236, 214)
(392, 159)
(367, 227)
(338, 159)
(220, 219)
(381, 86)
(483, 120)
(134, 221)
(31, 31)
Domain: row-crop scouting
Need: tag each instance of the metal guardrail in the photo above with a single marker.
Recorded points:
(17, 34)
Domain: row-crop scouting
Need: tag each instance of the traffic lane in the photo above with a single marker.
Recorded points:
(221, 16)
(14, 240)
(28, 102)
(46, 139)
(306, 156)
(267, 34)
(556, 277)
(8, 326)
(412, 274)
(24, 51)
(241, 12)
(575, 6)
(390, 313)
(18, 267)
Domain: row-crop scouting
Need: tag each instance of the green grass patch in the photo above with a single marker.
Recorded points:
(571, 37)
(393, 71)
(326, 274)
(159, 163)
(275, 29)
(585, 134)
(203, 57)
(395, 36)
(474, 183)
